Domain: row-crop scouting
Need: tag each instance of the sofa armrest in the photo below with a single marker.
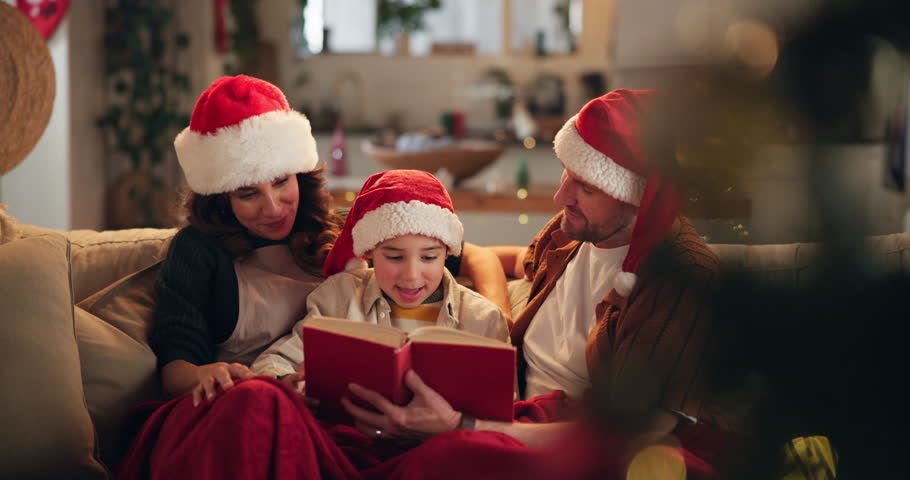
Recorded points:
(47, 432)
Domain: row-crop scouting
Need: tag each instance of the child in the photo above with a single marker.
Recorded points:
(404, 221)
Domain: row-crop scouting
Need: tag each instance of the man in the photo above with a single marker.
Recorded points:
(619, 290)
(599, 299)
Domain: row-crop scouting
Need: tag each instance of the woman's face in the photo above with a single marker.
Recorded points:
(268, 209)
(409, 268)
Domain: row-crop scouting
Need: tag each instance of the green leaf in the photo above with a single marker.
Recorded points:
(182, 40)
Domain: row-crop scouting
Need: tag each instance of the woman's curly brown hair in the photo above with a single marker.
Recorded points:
(315, 228)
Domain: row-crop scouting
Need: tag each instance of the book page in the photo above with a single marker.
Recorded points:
(384, 335)
(437, 334)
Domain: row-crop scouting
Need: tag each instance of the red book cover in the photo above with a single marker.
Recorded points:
(475, 378)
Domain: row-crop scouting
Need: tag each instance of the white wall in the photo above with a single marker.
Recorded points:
(86, 79)
(62, 183)
(38, 190)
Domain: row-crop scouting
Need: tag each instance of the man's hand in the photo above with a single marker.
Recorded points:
(211, 375)
(426, 415)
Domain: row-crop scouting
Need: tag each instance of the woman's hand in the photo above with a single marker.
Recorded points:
(211, 375)
(426, 415)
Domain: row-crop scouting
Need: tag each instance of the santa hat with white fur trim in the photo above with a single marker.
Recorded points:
(243, 132)
(603, 146)
(391, 204)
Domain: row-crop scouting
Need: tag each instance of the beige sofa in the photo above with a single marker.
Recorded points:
(75, 322)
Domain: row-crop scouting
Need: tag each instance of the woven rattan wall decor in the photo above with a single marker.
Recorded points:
(27, 87)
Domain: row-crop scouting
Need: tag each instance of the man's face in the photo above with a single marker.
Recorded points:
(590, 215)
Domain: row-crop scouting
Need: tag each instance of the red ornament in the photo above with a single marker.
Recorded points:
(45, 15)
(339, 157)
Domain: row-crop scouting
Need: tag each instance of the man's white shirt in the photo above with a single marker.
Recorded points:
(554, 345)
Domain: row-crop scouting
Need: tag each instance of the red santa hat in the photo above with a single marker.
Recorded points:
(391, 204)
(243, 132)
(603, 146)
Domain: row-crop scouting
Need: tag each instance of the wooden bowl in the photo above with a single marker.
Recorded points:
(462, 159)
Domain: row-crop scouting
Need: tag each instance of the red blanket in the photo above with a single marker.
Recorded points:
(261, 430)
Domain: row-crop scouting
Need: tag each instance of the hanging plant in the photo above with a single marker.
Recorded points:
(397, 16)
(143, 92)
(244, 37)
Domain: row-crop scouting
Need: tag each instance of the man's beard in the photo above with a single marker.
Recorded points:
(593, 233)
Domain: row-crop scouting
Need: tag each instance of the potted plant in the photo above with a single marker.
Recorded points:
(399, 18)
(143, 114)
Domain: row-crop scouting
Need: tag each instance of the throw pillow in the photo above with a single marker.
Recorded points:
(128, 304)
(118, 373)
(9, 227)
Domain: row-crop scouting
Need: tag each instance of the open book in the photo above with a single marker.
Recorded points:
(474, 374)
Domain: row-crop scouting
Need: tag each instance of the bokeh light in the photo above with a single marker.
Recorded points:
(523, 219)
(657, 462)
(755, 43)
(522, 193)
(529, 142)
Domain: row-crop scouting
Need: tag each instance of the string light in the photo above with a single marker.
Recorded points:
(529, 142)
(523, 219)
(755, 43)
(522, 193)
(349, 196)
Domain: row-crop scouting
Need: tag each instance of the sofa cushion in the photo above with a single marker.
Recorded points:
(46, 427)
(118, 373)
(890, 252)
(101, 258)
(794, 264)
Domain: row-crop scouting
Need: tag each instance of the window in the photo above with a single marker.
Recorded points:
(338, 26)
(546, 26)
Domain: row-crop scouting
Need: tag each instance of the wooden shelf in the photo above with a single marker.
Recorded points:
(540, 200)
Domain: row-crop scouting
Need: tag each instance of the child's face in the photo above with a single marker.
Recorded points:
(409, 268)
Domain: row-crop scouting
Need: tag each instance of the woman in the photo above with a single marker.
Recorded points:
(235, 280)
(259, 228)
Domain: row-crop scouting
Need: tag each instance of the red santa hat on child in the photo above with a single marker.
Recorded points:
(603, 146)
(243, 132)
(391, 204)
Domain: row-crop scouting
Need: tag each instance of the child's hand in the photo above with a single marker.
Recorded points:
(211, 375)
(297, 382)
